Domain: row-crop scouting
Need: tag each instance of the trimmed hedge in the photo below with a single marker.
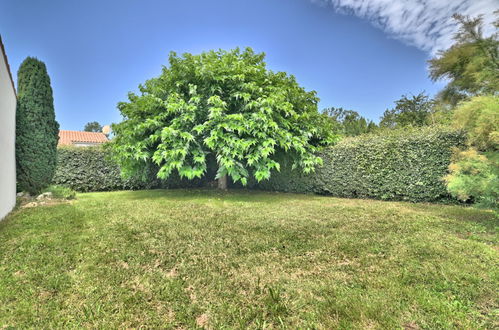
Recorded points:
(396, 165)
(91, 169)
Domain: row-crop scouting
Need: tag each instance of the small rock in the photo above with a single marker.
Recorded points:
(32, 204)
(46, 195)
(20, 194)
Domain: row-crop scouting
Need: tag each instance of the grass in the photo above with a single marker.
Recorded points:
(200, 258)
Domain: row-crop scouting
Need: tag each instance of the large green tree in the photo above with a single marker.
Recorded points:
(412, 111)
(471, 64)
(36, 127)
(225, 105)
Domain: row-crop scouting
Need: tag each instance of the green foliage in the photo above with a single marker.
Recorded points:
(92, 126)
(442, 112)
(471, 64)
(349, 122)
(36, 127)
(92, 169)
(397, 165)
(224, 104)
(479, 117)
(474, 177)
(404, 164)
(414, 111)
(61, 192)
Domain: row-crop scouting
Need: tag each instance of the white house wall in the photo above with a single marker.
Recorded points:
(7, 139)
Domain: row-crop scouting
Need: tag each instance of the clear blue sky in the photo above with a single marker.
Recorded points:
(97, 51)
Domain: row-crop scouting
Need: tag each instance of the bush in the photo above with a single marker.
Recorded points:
(474, 178)
(479, 117)
(404, 164)
(61, 192)
(92, 169)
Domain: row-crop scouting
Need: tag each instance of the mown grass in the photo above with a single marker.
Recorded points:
(200, 258)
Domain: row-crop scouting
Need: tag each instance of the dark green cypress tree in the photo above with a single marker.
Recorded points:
(36, 127)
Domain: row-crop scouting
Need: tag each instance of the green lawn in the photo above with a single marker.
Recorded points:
(187, 258)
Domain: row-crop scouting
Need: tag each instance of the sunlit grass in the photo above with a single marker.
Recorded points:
(201, 258)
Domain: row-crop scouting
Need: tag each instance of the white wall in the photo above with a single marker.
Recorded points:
(7, 139)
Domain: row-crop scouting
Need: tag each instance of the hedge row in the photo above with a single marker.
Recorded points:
(396, 165)
(91, 169)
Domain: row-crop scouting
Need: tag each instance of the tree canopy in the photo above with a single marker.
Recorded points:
(479, 116)
(349, 122)
(472, 63)
(37, 130)
(409, 111)
(92, 126)
(224, 104)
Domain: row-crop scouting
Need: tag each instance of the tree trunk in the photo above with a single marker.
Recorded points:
(222, 183)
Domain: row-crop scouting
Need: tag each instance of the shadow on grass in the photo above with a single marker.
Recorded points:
(204, 194)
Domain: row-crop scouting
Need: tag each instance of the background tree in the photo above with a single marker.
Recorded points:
(221, 104)
(92, 126)
(36, 127)
(409, 111)
(471, 65)
(479, 117)
(349, 122)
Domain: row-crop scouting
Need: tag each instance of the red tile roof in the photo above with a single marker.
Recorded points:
(71, 137)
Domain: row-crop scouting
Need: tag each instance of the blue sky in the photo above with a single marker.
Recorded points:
(357, 57)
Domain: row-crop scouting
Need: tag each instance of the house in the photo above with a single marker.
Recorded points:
(81, 139)
(8, 100)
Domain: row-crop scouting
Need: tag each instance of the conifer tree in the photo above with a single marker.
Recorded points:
(36, 127)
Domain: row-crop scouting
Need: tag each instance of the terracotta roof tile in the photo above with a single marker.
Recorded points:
(70, 137)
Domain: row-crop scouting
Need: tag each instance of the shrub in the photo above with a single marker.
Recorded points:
(92, 169)
(36, 127)
(397, 165)
(473, 177)
(404, 164)
(480, 118)
(61, 192)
